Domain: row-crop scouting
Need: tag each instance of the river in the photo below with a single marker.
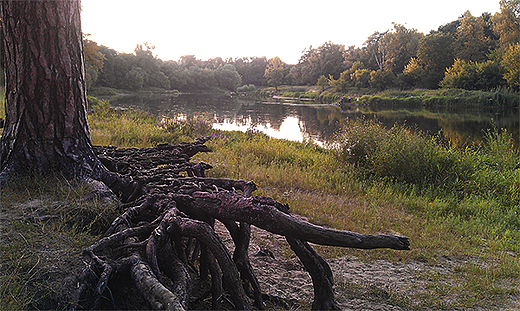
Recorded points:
(307, 121)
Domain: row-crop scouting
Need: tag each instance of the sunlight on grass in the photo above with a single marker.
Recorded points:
(446, 204)
(456, 205)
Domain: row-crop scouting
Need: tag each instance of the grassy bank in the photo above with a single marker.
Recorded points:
(45, 222)
(502, 97)
(460, 204)
(452, 203)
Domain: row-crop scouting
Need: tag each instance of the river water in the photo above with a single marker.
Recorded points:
(307, 121)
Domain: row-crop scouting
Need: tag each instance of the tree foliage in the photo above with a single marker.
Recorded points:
(274, 73)
(473, 40)
(471, 75)
(511, 63)
(435, 54)
(506, 23)
(327, 60)
(406, 58)
(94, 60)
(402, 45)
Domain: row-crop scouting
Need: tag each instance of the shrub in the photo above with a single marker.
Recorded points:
(400, 154)
(246, 88)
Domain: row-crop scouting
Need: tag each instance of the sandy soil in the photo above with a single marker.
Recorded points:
(284, 276)
(359, 284)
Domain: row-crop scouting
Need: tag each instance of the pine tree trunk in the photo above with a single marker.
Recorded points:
(46, 120)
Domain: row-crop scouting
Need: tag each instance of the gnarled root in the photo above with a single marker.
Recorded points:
(165, 238)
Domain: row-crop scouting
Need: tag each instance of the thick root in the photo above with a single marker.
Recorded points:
(165, 238)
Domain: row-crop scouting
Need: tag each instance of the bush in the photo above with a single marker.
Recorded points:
(400, 154)
(246, 88)
(481, 182)
(99, 107)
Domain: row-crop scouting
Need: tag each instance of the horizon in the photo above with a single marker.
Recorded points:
(227, 29)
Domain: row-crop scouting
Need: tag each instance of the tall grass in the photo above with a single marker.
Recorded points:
(46, 222)
(401, 154)
(500, 97)
(140, 129)
(456, 203)
(448, 201)
(472, 191)
(479, 184)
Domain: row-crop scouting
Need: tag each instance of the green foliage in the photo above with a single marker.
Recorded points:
(435, 54)
(274, 72)
(511, 63)
(360, 78)
(400, 154)
(402, 45)
(323, 82)
(506, 23)
(381, 80)
(326, 60)
(98, 107)
(246, 88)
(482, 183)
(470, 75)
(474, 38)
(499, 97)
(228, 77)
(142, 70)
(94, 60)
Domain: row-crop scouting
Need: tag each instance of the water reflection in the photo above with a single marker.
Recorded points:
(319, 122)
(290, 128)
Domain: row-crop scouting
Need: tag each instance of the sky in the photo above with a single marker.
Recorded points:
(242, 28)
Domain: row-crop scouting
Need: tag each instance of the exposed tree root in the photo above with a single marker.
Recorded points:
(165, 238)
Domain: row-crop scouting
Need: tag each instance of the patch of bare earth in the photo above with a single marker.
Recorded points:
(359, 284)
(373, 285)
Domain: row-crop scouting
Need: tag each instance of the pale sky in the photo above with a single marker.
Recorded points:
(240, 28)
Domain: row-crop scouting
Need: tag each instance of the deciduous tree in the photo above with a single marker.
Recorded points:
(472, 43)
(402, 46)
(435, 54)
(274, 72)
(506, 23)
(377, 47)
(511, 62)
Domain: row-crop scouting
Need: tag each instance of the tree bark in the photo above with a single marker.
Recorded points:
(46, 120)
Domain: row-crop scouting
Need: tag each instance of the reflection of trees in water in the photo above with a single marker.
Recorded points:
(321, 122)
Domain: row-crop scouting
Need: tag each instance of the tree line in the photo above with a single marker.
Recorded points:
(472, 52)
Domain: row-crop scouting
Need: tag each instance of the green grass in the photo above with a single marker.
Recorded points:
(46, 222)
(450, 202)
(140, 129)
(501, 97)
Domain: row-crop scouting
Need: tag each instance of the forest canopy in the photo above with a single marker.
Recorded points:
(472, 52)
